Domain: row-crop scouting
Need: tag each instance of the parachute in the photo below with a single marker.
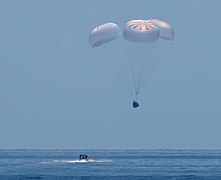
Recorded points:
(140, 38)
(165, 29)
(141, 31)
(143, 36)
(104, 33)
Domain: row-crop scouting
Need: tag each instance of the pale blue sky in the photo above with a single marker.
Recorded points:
(55, 92)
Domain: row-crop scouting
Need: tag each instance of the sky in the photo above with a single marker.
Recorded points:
(57, 92)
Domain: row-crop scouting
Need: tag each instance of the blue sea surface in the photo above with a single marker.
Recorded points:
(111, 164)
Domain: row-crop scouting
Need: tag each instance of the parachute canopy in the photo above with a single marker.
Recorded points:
(141, 31)
(165, 29)
(104, 33)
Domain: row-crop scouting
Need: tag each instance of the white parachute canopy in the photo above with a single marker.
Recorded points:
(165, 29)
(104, 33)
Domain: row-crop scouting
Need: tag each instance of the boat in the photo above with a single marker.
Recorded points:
(83, 157)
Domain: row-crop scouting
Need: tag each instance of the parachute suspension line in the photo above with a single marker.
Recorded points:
(130, 88)
(145, 74)
(156, 64)
(118, 77)
(129, 63)
(136, 94)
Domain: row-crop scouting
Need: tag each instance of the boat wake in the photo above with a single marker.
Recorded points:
(76, 161)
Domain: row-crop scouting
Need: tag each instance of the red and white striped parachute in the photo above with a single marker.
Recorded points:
(141, 31)
(147, 30)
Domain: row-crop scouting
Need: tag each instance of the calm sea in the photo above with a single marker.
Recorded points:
(111, 164)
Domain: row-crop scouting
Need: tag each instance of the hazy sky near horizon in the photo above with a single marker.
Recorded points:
(55, 91)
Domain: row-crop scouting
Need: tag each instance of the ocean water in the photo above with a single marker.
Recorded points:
(111, 164)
